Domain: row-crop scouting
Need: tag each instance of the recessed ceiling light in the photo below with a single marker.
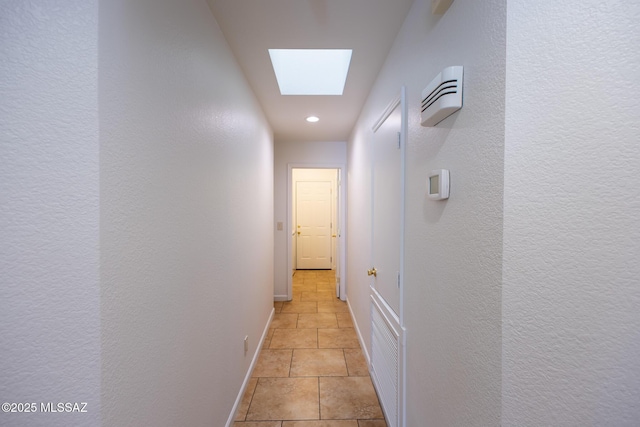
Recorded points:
(311, 71)
(312, 119)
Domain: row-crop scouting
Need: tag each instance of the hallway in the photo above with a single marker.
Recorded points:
(311, 366)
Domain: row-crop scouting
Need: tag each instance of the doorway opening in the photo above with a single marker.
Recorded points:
(315, 217)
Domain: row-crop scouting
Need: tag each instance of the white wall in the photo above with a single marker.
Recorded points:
(571, 293)
(49, 255)
(186, 216)
(453, 248)
(329, 153)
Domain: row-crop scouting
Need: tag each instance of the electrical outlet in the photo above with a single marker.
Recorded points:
(246, 344)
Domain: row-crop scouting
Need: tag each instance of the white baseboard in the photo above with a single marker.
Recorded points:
(281, 298)
(362, 342)
(247, 378)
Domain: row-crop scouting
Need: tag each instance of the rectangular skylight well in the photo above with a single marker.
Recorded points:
(311, 71)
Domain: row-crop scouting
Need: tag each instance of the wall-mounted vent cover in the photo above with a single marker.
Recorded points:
(385, 359)
(442, 97)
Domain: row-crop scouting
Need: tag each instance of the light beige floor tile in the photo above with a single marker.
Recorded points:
(273, 363)
(356, 363)
(315, 312)
(317, 320)
(342, 303)
(246, 400)
(347, 398)
(258, 424)
(327, 294)
(372, 423)
(303, 293)
(331, 423)
(309, 296)
(337, 338)
(267, 339)
(318, 362)
(308, 273)
(332, 307)
(285, 399)
(284, 321)
(277, 305)
(300, 307)
(295, 338)
(329, 287)
(344, 320)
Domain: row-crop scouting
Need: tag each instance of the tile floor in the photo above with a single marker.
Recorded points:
(311, 371)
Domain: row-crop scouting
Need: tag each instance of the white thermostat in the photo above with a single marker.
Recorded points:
(438, 184)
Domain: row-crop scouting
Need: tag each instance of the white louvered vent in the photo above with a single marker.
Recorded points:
(384, 363)
(442, 97)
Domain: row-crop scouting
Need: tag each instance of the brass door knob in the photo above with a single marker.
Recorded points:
(373, 272)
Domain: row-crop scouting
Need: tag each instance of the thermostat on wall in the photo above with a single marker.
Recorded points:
(438, 184)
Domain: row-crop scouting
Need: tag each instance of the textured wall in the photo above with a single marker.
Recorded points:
(331, 153)
(49, 259)
(359, 218)
(571, 301)
(186, 212)
(452, 248)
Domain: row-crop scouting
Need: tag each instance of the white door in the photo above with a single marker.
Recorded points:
(313, 213)
(387, 333)
(387, 209)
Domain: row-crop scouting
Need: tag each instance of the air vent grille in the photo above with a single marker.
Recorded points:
(442, 97)
(385, 363)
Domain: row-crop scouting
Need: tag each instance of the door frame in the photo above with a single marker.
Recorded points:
(341, 273)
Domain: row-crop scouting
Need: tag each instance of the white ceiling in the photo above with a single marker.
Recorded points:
(367, 26)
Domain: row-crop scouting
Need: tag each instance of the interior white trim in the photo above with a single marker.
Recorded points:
(387, 111)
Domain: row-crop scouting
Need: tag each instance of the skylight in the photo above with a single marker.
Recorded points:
(311, 71)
